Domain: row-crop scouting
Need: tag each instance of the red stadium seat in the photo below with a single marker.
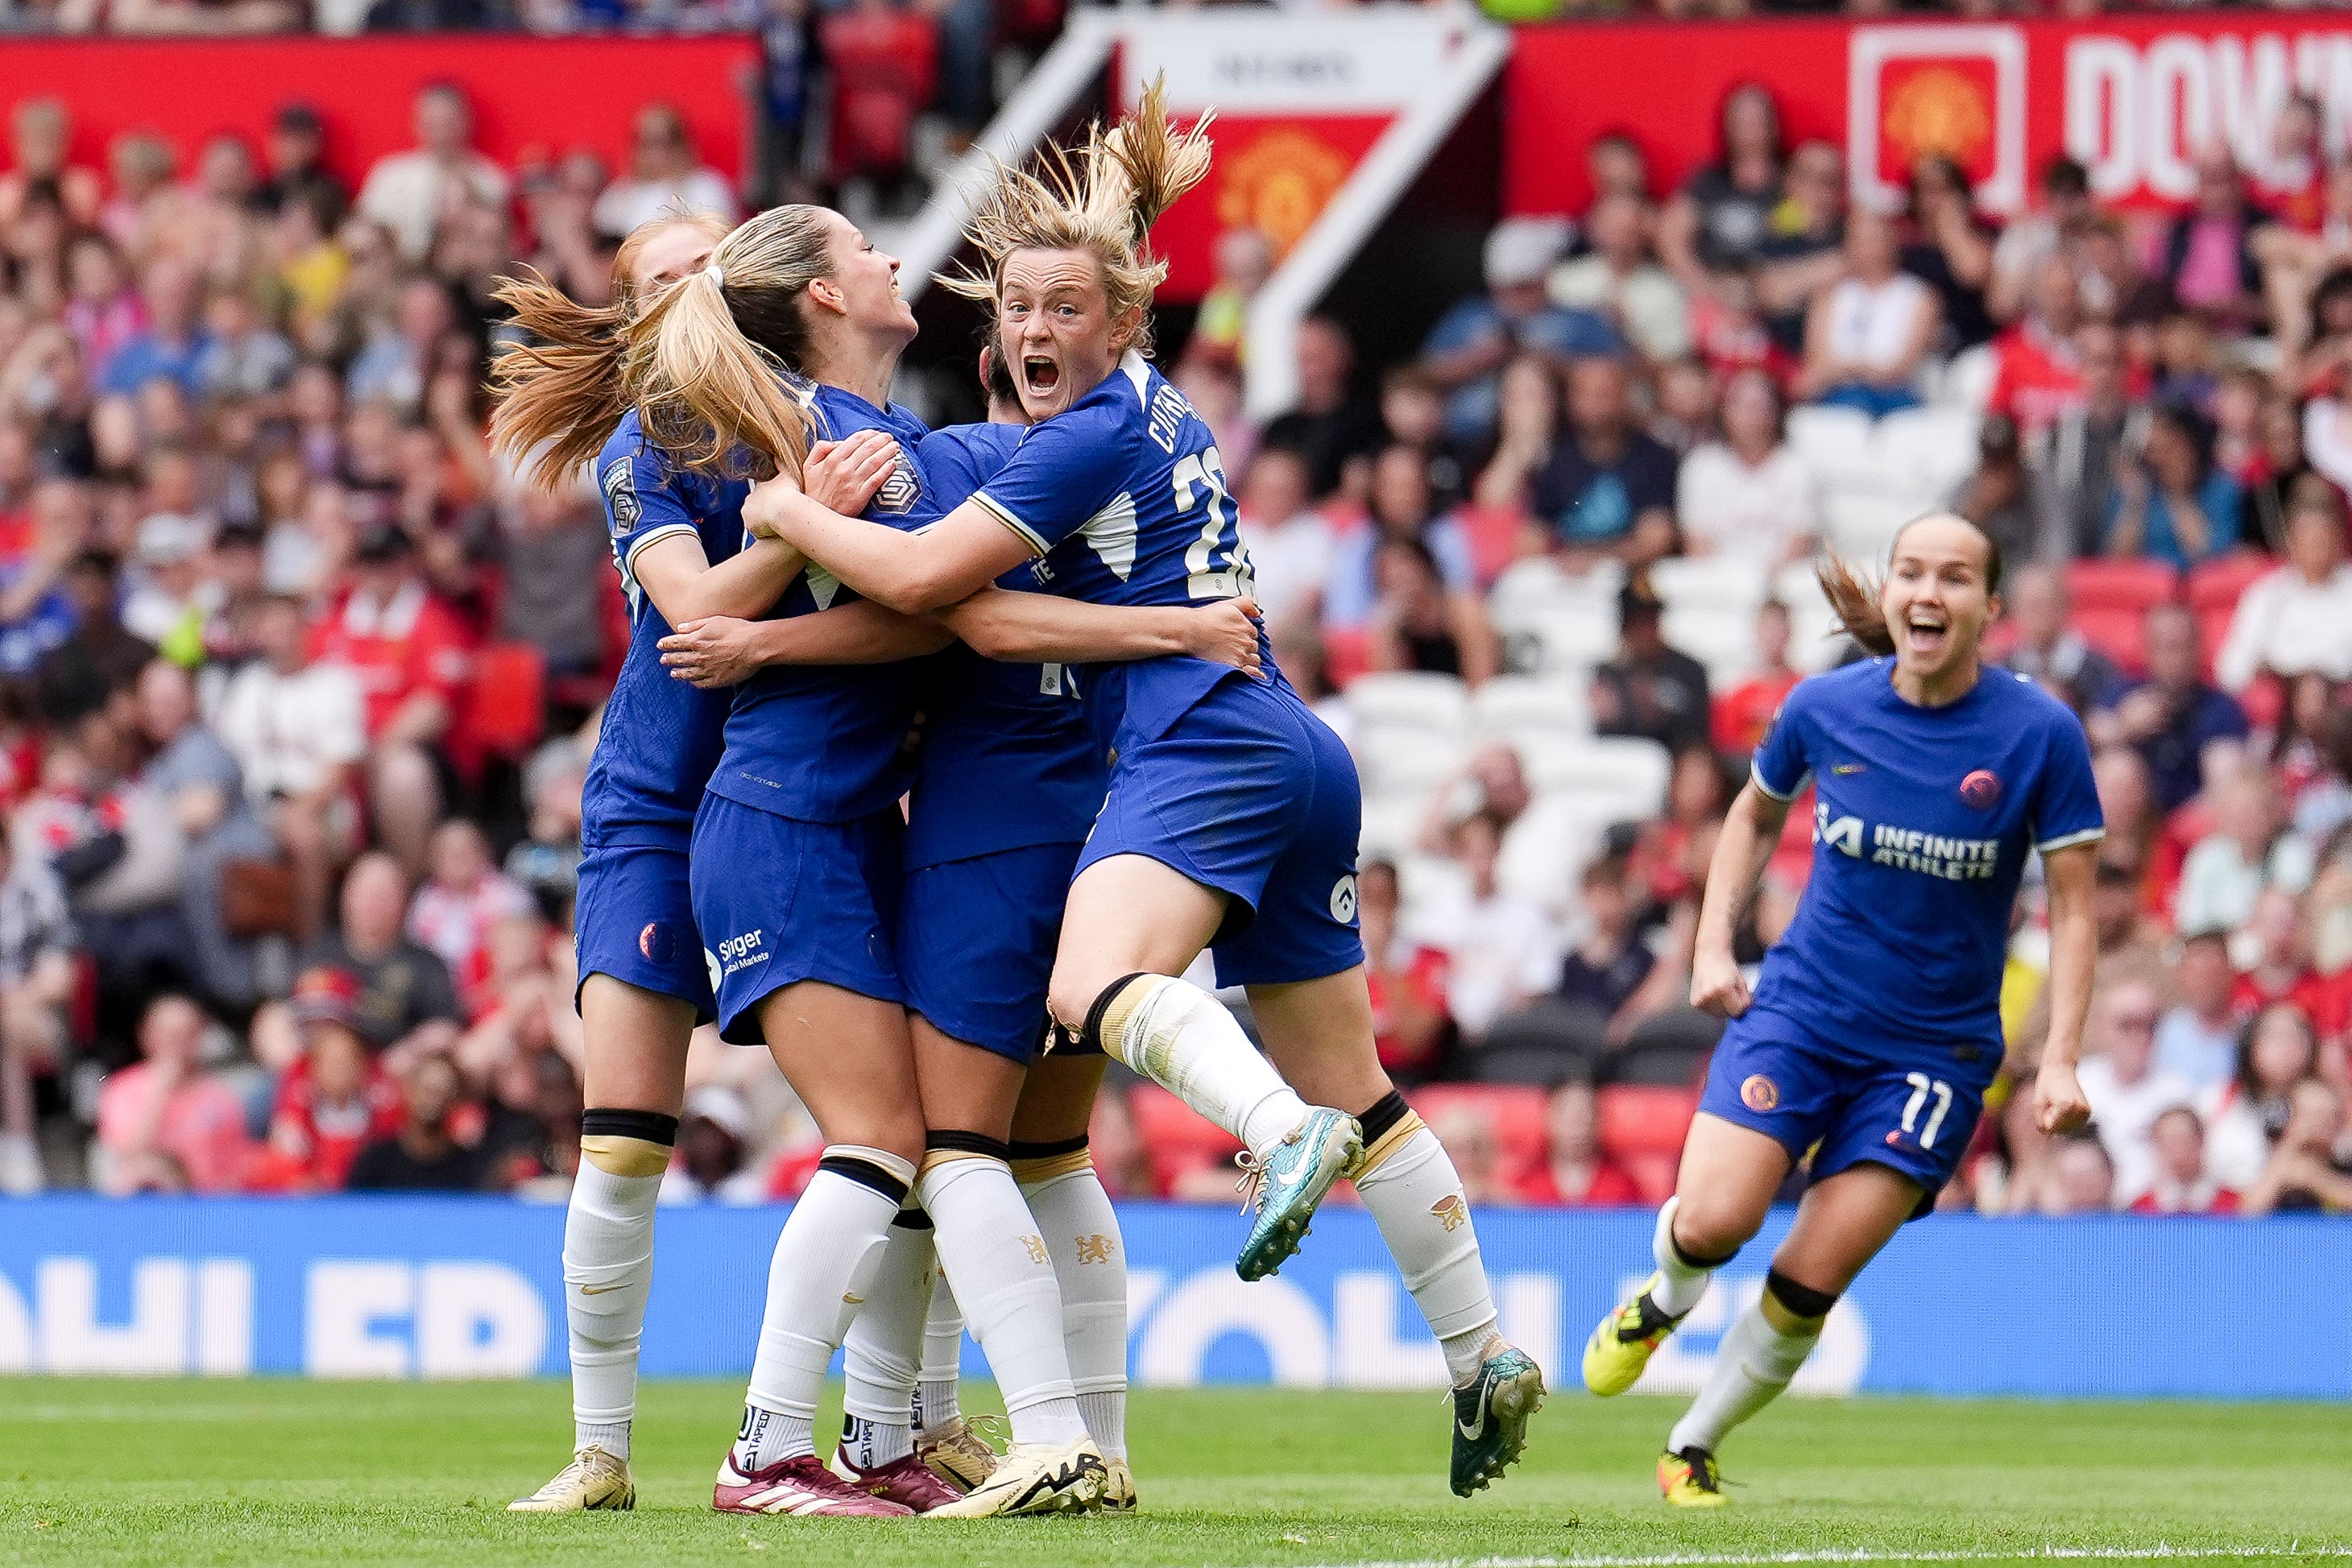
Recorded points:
(2121, 584)
(1346, 654)
(2215, 585)
(1641, 1129)
(1516, 1111)
(2119, 630)
(1177, 1138)
(507, 712)
(1493, 535)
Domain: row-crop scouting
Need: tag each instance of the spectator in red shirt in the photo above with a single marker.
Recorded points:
(2039, 377)
(410, 653)
(1467, 1130)
(2281, 971)
(1407, 982)
(1743, 713)
(1575, 1172)
(335, 1099)
(2183, 1185)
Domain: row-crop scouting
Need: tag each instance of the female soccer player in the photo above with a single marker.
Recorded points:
(676, 539)
(796, 871)
(1875, 1030)
(1232, 813)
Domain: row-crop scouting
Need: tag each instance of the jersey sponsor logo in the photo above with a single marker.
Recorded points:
(1842, 833)
(710, 963)
(1343, 899)
(902, 489)
(1981, 788)
(657, 942)
(1759, 1093)
(1933, 854)
(739, 952)
(620, 487)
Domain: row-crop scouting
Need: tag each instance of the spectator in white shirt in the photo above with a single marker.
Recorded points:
(663, 177)
(1747, 494)
(2247, 852)
(1617, 279)
(1501, 948)
(2297, 619)
(1290, 544)
(2126, 1089)
(408, 191)
(297, 731)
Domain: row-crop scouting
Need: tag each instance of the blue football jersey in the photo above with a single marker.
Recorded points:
(1007, 761)
(1922, 822)
(828, 743)
(1123, 499)
(661, 737)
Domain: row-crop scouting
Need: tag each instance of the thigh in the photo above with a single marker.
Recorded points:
(1128, 915)
(963, 1088)
(975, 946)
(634, 921)
(1843, 1222)
(1318, 1034)
(1057, 1100)
(634, 1042)
(1724, 1186)
(1303, 924)
(849, 1059)
(1913, 1120)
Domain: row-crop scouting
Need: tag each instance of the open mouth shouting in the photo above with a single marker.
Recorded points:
(1926, 631)
(1040, 376)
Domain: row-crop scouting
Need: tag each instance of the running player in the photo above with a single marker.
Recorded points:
(1873, 1031)
(796, 871)
(1232, 813)
(676, 539)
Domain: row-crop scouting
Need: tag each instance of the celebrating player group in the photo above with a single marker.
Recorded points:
(1109, 774)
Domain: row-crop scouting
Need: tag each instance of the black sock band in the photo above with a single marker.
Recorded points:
(955, 1140)
(648, 1126)
(1053, 1150)
(1802, 1301)
(866, 1174)
(1386, 1113)
(1091, 1033)
(1688, 1262)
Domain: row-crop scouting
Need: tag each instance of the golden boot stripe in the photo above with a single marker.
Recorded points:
(623, 1157)
(934, 1158)
(1784, 1322)
(1029, 1173)
(1130, 996)
(1387, 1143)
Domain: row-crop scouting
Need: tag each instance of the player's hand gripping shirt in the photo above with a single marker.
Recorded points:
(1922, 820)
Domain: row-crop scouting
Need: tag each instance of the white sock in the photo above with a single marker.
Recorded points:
(880, 1354)
(1410, 1185)
(1004, 1283)
(823, 1269)
(1183, 1039)
(1081, 1230)
(608, 1269)
(1752, 1366)
(937, 1404)
(1679, 1286)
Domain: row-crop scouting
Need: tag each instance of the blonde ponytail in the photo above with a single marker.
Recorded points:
(559, 395)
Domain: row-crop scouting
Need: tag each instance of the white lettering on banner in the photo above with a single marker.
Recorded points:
(16, 1331)
(1213, 1305)
(1681, 1365)
(2137, 118)
(182, 1319)
(1367, 1351)
(1251, 64)
(464, 1320)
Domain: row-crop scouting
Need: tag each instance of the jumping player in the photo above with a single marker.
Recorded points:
(1233, 813)
(1875, 1030)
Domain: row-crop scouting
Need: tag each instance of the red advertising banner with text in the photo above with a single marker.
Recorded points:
(552, 94)
(2134, 98)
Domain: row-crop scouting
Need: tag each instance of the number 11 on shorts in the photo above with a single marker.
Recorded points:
(1921, 1087)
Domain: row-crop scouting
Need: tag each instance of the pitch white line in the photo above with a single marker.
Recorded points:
(1870, 1556)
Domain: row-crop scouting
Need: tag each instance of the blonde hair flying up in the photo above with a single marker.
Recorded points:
(1102, 199)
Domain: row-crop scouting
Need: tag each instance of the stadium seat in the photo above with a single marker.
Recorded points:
(1409, 699)
(507, 712)
(1642, 1127)
(1608, 768)
(1543, 1042)
(1407, 761)
(1391, 821)
(1967, 382)
(1930, 452)
(2217, 584)
(1670, 1047)
(1541, 854)
(2132, 585)
(1177, 1138)
(1347, 654)
(1707, 582)
(1508, 705)
(1561, 642)
(1720, 636)
(1862, 523)
(2120, 632)
(1836, 444)
(1516, 1112)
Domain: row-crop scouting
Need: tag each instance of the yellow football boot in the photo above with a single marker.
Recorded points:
(1690, 1479)
(1619, 1348)
(593, 1482)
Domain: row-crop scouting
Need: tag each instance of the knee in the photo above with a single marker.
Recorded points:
(1707, 1229)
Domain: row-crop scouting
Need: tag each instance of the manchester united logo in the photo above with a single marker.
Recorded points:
(1279, 185)
(1759, 1093)
(1938, 111)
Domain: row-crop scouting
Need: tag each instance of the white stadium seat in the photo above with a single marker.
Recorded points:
(1390, 824)
(1933, 450)
(1707, 582)
(1407, 761)
(1409, 699)
(1967, 380)
(1614, 772)
(1836, 444)
(1571, 641)
(1507, 704)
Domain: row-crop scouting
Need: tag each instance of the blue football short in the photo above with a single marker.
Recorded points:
(1912, 1109)
(1250, 794)
(634, 920)
(976, 941)
(780, 900)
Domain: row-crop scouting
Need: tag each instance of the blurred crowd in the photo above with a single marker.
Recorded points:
(297, 686)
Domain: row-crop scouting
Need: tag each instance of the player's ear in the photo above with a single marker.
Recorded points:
(827, 296)
(1126, 327)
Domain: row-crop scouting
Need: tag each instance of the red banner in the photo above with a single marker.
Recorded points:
(2134, 98)
(1272, 172)
(553, 94)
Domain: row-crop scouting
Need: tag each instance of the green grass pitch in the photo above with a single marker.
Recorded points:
(117, 1471)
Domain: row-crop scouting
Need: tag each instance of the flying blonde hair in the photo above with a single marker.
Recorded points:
(558, 396)
(1101, 198)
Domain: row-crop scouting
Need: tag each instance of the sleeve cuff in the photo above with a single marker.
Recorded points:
(629, 551)
(1755, 777)
(2068, 840)
(997, 509)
